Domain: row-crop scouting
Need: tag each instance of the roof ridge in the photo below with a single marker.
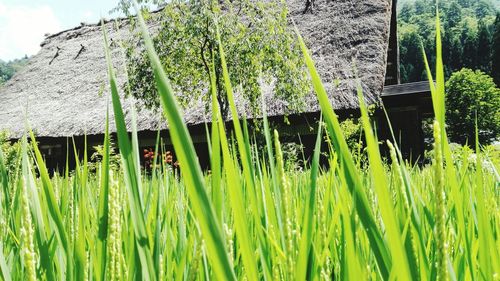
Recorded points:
(83, 25)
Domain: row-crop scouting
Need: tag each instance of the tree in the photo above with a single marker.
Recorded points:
(484, 48)
(452, 52)
(406, 12)
(412, 66)
(257, 39)
(456, 55)
(469, 94)
(483, 8)
(469, 43)
(495, 68)
(453, 14)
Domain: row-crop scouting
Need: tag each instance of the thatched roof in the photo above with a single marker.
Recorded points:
(67, 94)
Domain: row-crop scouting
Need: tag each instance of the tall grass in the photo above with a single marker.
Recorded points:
(251, 218)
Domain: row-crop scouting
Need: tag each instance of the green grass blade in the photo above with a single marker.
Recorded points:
(269, 143)
(236, 200)
(242, 139)
(38, 212)
(4, 269)
(216, 149)
(79, 246)
(440, 81)
(4, 180)
(308, 221)
(102, 213)
(242, 144)
(131, 177)
(350, 173)
(203, 210)
(136, 153)
(49, 195)
(384, 198)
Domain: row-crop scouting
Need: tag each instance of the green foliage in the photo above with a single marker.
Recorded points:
(98, 156)
(292, 156)
(353, 132)
(484, 50)
(257, 40)
(10, 151)
(495, 59)
(7, 69)
(470, 92)
(467, 40)
(492, 153)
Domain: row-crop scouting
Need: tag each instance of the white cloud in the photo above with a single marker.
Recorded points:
(22, 29)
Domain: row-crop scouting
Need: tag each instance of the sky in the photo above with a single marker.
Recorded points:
(23, 23)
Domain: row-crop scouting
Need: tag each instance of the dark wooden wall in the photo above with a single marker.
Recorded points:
(298, 128)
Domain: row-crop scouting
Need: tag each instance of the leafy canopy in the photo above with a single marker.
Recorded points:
(495, 56)
(259, 44)
(468, 26)
(469, 92)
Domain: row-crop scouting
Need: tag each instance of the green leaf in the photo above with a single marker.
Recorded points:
(4, 269)
(308, 220)
(103, 211)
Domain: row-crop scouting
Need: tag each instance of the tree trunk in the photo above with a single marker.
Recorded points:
(221, 94)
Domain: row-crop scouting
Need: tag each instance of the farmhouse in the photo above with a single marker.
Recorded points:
(63, 92)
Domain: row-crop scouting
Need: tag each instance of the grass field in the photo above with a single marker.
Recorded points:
(250, 218)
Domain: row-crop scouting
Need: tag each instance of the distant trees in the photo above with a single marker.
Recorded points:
(468, 41)
(469, 94)
(471, 40)
(495, 59)
(8, 69)
(469, 48)
(412, 65)
(484, 48)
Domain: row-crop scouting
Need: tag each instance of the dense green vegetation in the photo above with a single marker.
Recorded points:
(471, 39)
(250, 218)
(7, 69)
(469, 28)
(495, 56)
(472, 97)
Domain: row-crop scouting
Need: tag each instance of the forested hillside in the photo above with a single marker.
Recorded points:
(468, 39)
(496, 3)
(7, 69)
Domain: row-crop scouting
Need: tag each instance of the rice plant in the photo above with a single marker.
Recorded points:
(251, 218)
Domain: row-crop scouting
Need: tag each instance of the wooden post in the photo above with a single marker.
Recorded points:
(392, 75)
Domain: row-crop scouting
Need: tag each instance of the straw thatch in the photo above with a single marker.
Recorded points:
(63, 91)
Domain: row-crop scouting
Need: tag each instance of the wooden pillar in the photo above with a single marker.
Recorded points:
(392, 75)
